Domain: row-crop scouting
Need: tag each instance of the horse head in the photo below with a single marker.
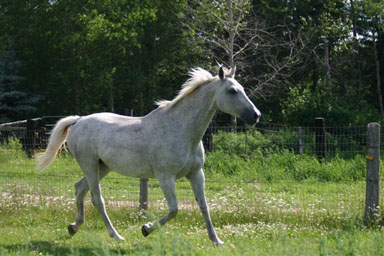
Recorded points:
(232, 99)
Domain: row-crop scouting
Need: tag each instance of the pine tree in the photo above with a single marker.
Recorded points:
(14, 104)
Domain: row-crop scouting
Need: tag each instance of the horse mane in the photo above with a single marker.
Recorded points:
(197, 78)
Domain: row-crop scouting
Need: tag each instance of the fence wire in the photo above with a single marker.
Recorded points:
(343, 141)
(21, 184)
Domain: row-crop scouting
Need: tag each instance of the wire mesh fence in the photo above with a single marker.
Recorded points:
(292, 200)
(343, 141)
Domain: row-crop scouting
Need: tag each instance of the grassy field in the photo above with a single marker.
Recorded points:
(267, 203)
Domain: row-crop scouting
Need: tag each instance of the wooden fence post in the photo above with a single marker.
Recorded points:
(33, 134)
(373, 173)
(208, 139)
(143, 200)
(143, 196)
(300, 135)
(233, 124)
(321, 140)
(30, 138)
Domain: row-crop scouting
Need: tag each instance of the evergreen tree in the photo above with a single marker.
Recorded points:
(14, 104)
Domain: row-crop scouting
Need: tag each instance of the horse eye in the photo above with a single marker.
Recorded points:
(232, 91)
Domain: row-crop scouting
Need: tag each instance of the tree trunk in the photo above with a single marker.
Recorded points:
(76, 98)
(111, 100)
(109, 80)
(231, 44)
(356, 46)
(315, 76)
(231, 33)
(378, 82)
(327, 68)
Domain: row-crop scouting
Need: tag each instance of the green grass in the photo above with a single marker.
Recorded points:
(283, 165)
(263, 203)
(41, 230)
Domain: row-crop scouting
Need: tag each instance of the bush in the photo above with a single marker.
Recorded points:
(244, 143)
(303, 105)
(272, 156)
(283, 166)
(239, 143)
(345, 141)
(12, 144)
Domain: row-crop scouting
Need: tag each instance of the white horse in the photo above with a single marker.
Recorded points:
(165, 144)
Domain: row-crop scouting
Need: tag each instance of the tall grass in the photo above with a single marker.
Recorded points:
(283, 165)
(272, 227)
(273, 157)
(264, 200)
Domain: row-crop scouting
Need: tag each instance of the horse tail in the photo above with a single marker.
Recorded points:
(56, 140)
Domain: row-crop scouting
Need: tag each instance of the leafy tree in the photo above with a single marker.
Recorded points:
(374, 17)
(90, 56)
(303, 105)
(99, 55)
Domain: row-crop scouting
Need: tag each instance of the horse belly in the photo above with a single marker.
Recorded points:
(132, 165)
(141, 171)
(194, 162)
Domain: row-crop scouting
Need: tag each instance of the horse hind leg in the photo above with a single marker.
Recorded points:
(91, 173)
(168, 187)
(81, 189)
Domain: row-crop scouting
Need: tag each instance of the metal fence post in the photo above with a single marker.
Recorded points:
(373, 173)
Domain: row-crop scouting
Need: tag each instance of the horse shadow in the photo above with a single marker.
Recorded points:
(50, 248)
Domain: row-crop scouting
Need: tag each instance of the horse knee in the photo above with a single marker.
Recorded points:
(173, 212)
(81, 187)
(79, 183)
(80, 221)
(96, 201)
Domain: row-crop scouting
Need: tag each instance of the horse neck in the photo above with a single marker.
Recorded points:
(193, 114)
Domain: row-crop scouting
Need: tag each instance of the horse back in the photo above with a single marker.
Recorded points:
(133, 146)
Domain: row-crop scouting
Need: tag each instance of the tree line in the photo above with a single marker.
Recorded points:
(297, 59)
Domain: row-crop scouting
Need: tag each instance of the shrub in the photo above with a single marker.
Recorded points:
(304, 104)
(244, 143)
(12, 144)
(282, 166)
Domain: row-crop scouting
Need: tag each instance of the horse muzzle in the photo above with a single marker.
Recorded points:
(251, 117)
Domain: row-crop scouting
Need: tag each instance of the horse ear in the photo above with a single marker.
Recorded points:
(221, 73)
(232, 72)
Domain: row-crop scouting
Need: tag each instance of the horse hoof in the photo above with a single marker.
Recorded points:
(144, 231)
(71, 230)
(119, 237)
(218, 242)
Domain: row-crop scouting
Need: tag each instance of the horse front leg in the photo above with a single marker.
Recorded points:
(168, 187)
(197, 180)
